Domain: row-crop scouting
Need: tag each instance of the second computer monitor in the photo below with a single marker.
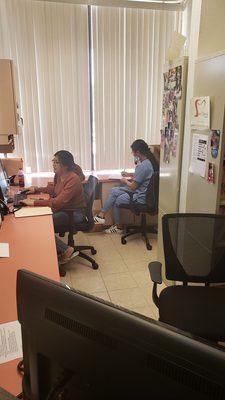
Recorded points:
(3, 182)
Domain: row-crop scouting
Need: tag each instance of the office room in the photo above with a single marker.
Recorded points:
(112, 199)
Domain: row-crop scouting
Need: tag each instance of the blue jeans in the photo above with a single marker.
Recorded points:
(117, 195)
(60, 221)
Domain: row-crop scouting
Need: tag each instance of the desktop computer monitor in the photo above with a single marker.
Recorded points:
(3, 183)
(79, 347)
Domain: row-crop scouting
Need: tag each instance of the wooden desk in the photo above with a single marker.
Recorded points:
(32, 246)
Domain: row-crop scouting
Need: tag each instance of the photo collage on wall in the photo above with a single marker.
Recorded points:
(171, 94)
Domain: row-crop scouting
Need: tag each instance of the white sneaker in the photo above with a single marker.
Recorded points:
(99, 220)
(113, 229)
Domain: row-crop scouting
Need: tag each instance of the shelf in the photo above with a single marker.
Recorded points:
(7, 147)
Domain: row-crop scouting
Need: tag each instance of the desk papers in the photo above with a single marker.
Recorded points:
(32, 212)
(10, 341)
(4, 249)
(115, 176)
(119, 177)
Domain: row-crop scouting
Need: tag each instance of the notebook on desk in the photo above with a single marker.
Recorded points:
(118, 176)
(32, 212)
(115, 176)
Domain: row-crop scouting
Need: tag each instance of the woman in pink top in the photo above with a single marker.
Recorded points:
(66, 194)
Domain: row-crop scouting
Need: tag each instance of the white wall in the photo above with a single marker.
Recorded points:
(212, 27)
(207, 37)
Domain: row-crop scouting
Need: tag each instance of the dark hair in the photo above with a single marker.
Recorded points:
(66, 159)
(141, 146)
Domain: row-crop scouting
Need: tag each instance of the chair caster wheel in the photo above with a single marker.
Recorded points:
(123, 241)
(62, 272)
(95, 266)
(93, 251)
(149, 247)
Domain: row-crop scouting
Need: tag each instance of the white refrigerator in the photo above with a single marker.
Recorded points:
(172, 129)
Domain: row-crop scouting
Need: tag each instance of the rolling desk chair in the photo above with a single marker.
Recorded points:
(86, 225)
(150, 207)
(194, 247)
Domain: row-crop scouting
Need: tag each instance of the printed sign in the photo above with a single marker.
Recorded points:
(199, 154)
(200, 112)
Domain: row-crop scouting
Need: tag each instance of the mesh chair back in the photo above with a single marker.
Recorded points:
(194, 247)
(89, 194)
(152, 194)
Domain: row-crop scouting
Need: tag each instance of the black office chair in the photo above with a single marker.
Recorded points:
(150, 207)
(194, 247)
(86, 225)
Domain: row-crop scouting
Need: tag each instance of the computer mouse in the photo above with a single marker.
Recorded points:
(22, 204)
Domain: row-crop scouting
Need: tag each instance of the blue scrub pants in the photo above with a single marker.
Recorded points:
(117, 195)
(61, 219)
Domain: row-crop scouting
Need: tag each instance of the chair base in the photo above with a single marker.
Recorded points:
(143, 229)
(81, 253)
(62, 270)
(85, 256)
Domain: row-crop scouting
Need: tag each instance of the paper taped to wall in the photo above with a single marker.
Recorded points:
(199, 155)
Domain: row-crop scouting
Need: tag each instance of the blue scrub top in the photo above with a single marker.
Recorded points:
(142, 176)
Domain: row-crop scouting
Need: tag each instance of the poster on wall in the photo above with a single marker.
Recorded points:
(170, 126)
(200, 112)
(215, 142)
(211, 173)
(199, 155)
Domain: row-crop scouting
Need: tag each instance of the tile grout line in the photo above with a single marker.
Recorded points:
(105, 284)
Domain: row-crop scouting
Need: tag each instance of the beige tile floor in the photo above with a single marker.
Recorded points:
(122, 277)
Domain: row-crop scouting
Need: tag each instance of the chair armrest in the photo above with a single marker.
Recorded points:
(155, 270)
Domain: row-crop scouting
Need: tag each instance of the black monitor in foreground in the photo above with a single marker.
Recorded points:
(83, 348)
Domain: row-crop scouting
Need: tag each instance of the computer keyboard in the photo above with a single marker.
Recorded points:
(17, 198)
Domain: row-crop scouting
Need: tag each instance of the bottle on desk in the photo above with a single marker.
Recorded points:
(21, 180)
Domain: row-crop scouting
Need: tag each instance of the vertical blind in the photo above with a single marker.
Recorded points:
(48, 43)
(129, 48)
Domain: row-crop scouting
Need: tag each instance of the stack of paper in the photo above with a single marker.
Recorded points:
(115, 176)
(32, 211)
(4, 249)
(10, 341)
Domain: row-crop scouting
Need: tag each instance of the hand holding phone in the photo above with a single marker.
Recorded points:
(124, 173)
